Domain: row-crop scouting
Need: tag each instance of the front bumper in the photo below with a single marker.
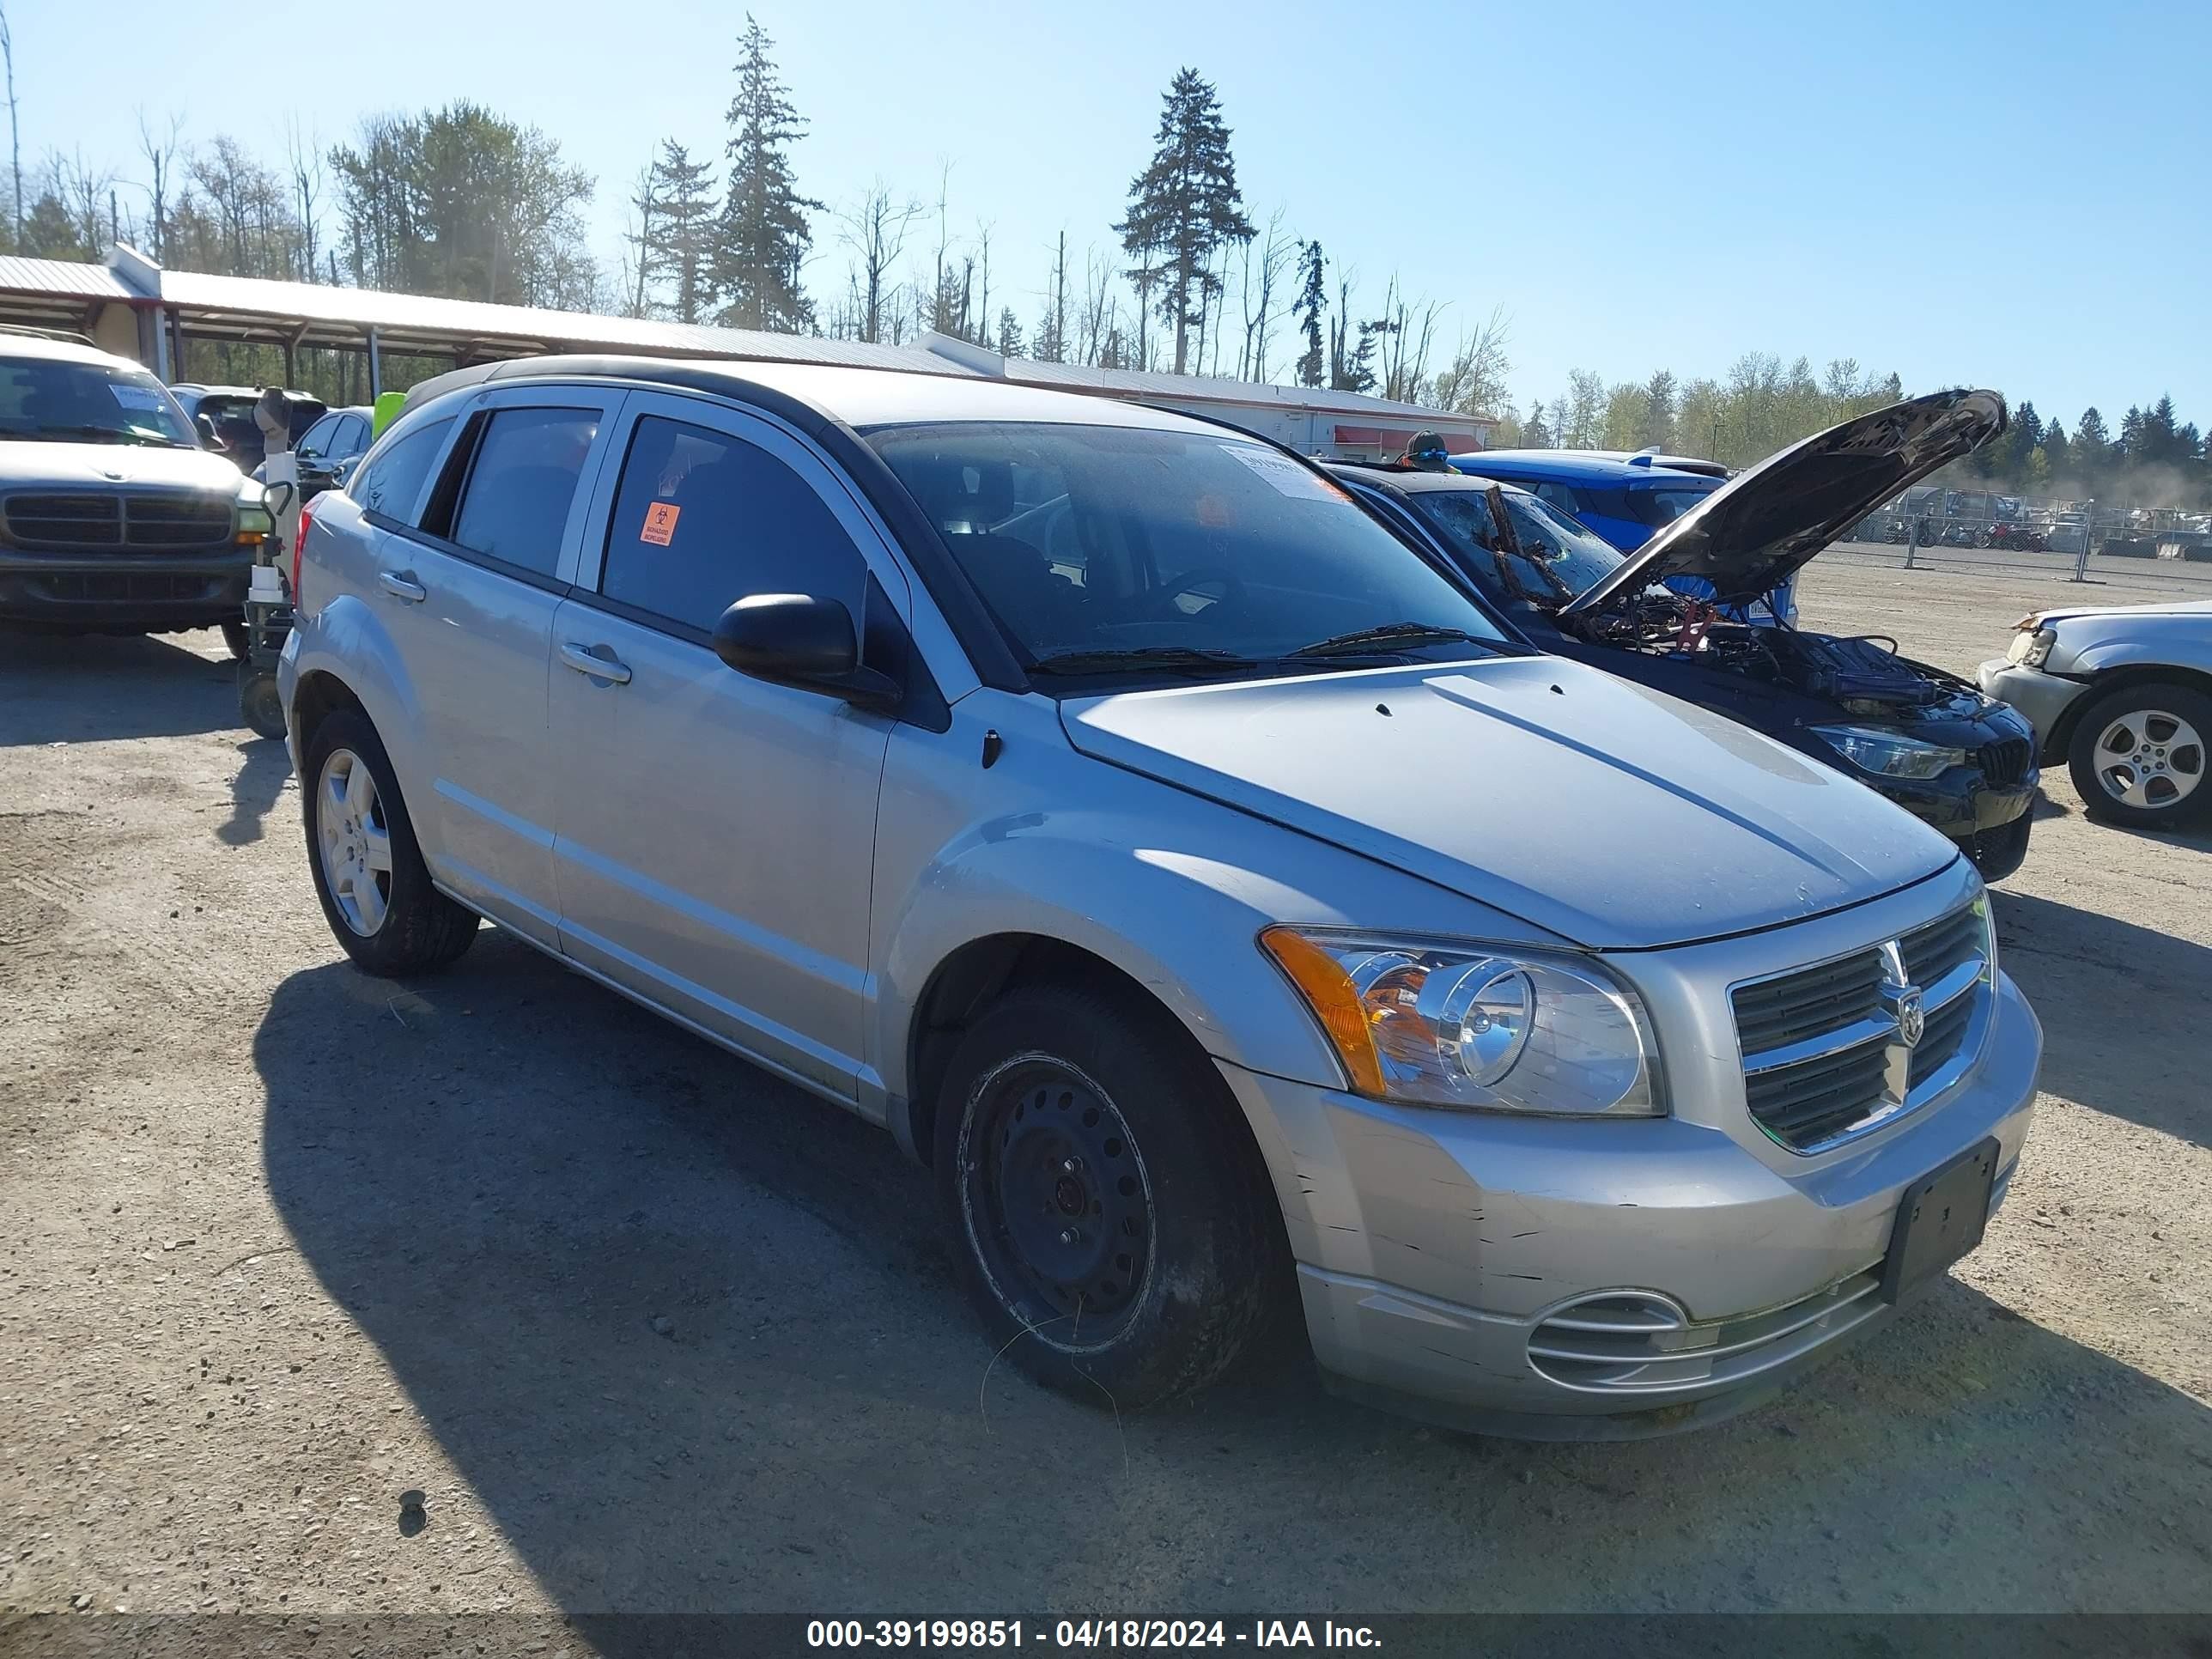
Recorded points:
(2041, 699)
(134, 592)
(1431, 1245)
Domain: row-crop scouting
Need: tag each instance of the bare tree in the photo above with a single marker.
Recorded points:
(876, 231)
(641, 254)
(1404, 333)
(982, 313)
(160, 153)
(1051, 343)
(1474, 382)
(1258, 294)
(15, 132)
(304, 161)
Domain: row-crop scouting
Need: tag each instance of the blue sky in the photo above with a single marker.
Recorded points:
(2007, 194)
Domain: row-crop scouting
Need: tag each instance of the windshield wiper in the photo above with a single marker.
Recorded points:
(1390, 637)
(1112, 661)
(108, 434)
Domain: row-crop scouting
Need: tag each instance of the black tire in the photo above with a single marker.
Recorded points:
(259, 705)
(2180, 790)
(1176, 1258)
(236, 640)
(419, 929)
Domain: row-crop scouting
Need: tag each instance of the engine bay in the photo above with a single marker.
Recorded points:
(1863, 671)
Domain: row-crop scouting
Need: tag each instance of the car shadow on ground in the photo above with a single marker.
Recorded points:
(692, 1339)
(2125, 1026)
(88, 688)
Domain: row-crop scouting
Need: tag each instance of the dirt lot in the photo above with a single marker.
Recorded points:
(279, 1244)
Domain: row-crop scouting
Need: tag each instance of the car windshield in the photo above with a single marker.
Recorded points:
(1122, 549)
(60, 401)
(1556, 557)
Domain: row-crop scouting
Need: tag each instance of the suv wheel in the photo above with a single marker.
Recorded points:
(2138, 756)
(369, 874)
(236, 640)
(1111, 1226)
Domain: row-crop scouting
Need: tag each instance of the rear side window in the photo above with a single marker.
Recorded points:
(391, 485)
(515, 506)
(1658, 507)
(1558, 495)
(703, 519)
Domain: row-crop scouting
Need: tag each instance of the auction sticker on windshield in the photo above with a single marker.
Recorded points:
(135, 397)
(1288, 477)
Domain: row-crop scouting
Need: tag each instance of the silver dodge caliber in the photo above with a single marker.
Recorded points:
(1186, 871)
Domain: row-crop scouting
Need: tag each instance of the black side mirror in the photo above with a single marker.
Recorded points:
(797, 639)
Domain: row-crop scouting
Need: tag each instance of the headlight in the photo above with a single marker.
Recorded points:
(2030, 645)
(1501, 1029)
(1888, 754)
(255, 523)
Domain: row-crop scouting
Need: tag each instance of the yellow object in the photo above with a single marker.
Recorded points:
(388, 405)
(1328, 992)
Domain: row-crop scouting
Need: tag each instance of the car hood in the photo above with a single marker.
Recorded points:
(1598, 810)
(69, 466)
(2199, 609)
(1746, 537)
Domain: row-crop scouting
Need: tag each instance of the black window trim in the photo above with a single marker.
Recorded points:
(463, 452)
(922, 701)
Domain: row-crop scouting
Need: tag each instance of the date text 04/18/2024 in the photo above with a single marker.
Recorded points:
(1085, 1633)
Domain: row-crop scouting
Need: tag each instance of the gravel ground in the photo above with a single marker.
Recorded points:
(318, 1296)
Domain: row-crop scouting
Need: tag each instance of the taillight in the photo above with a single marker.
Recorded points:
(299, 543)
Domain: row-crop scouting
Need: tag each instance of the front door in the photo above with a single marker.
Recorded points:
(472, 591)
(716, 833)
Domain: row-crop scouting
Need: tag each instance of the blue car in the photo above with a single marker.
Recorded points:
(1625, 499)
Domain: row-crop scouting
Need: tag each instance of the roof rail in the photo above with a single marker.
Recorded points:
(67, 336)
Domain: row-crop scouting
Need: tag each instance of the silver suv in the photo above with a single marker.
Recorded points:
(1186, 871)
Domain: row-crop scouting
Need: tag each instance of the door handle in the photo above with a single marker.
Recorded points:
(580, 659)
(405, 587)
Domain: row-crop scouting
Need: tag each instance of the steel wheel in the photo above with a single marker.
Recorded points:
(354, 842)
(1059, 1205)
(2149, 759)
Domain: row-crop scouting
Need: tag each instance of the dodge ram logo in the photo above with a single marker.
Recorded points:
(1911, 1017)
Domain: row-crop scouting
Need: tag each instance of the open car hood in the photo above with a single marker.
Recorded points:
(1749, 535)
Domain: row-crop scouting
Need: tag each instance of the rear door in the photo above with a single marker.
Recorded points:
(716, 843)
(468, 596)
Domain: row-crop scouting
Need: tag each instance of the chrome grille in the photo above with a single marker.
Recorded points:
(1832, 1050)
(167, 520)
(1623, 1341)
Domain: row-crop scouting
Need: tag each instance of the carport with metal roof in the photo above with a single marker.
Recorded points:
(135, 308)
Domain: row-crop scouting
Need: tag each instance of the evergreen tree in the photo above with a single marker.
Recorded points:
(1184, 208)
(49, 232)
(678, 244)
(1010, 333)
(2057, 453)
(1311, 303)
(1534, 435)
(763, 236)
(2093, 450)
(1656, 424)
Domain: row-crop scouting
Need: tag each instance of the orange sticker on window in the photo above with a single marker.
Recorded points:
(660, 523)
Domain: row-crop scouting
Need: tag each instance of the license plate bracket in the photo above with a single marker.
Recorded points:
(1940, 1217)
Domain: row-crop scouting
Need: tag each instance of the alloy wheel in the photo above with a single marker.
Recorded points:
(354, 841)
(2149, 759)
